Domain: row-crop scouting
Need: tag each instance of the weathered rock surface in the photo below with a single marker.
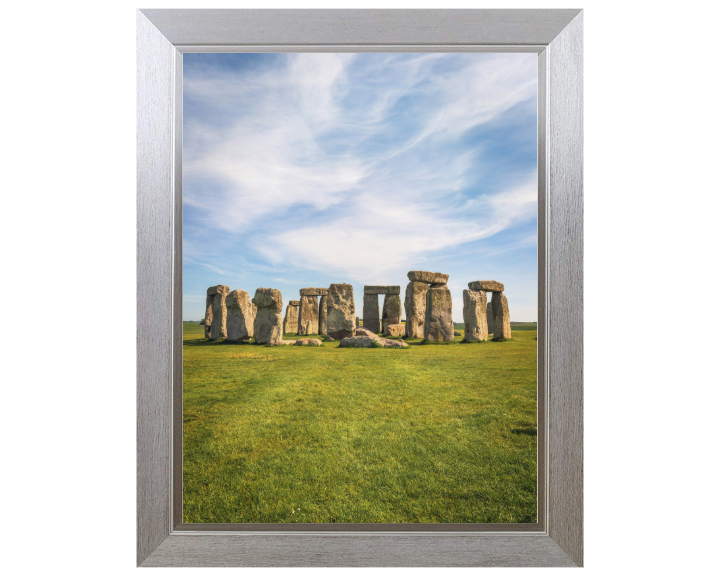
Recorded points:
(501, 316)
(392, 312)
(360, 331)
(208, 309)
(308, 317)
(438, 315)
(313, 291)
(280, 343)
(218, 328)
(368, 340)
(308, 342)
(322, 321)
(490, 319)
(415, 309)
(371, 312)
(428, 277)
(202, 322)
(475, 315)
(294, 302)
(457, 333)
(268, 298)
(486, 286)
(391, 290)
(268, 325)
(240, 319)
(341, 311)
(395, 330)
(290, 324)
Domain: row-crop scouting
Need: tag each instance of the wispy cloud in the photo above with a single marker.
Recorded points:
(355, 164)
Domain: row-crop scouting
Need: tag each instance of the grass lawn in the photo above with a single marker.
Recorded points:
(433, 433)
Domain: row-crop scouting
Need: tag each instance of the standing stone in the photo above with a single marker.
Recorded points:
(322, 322)
(341, 311)
(290, 325)
(268, 321)
(475, 315)
(218, 329)
(438, 314)
(308, 316)
(415, 309)
(490, 319)
(240, 319)
(392, 312)
(501, 316)
(371, 313)
(208, 309)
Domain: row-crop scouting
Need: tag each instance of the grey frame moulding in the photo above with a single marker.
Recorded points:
(556, 36)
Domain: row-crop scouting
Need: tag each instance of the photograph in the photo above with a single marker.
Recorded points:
(360, 288)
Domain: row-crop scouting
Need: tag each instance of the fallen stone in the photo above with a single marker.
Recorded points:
(268, 326)
(390, 290)
(428, 277)
(392, 312)
(415, 309)
(490, 319)
(457, 333)
(202, 322)
(364, 332)
(371, 312)
(290, 324)
(322, 321)
(501, 316)
(313, 291)
(395, 330)
(240, 319)
(341, 311)
(438, 315)
(486, 286)
(370, 342)
(308, 318)
(218, 328)
(280, 343)
(308, 342)
(475, 315)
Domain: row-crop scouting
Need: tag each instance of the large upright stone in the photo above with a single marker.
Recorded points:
(208, 309)
(486, 285)
(308, 317)
(428, 277)
(438, 315)
(490, 319)
(371, 312)
(475, 315)
(392, 312)
(322, 322)
(501, 316)
(290, 324)
(268, 320)
(240, 319)
(218, 329)
(415, 309)
(341, 311)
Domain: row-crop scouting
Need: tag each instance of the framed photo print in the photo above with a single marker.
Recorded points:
(359, 287)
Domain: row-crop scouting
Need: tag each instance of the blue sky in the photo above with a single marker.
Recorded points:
(306, 169)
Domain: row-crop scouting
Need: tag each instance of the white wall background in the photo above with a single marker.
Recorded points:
(68, 386)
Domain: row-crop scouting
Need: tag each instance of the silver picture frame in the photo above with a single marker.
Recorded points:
(163, 36)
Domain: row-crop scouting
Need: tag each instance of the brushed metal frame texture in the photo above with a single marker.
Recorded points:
(163, 36)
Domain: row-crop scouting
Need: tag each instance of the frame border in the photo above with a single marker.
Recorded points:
(163, 35)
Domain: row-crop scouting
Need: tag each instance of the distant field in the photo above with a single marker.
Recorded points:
(434, 433)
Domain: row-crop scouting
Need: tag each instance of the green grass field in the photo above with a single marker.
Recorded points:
(434, 433)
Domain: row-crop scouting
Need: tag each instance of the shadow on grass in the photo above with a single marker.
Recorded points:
(525, 431)
(205, 342)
